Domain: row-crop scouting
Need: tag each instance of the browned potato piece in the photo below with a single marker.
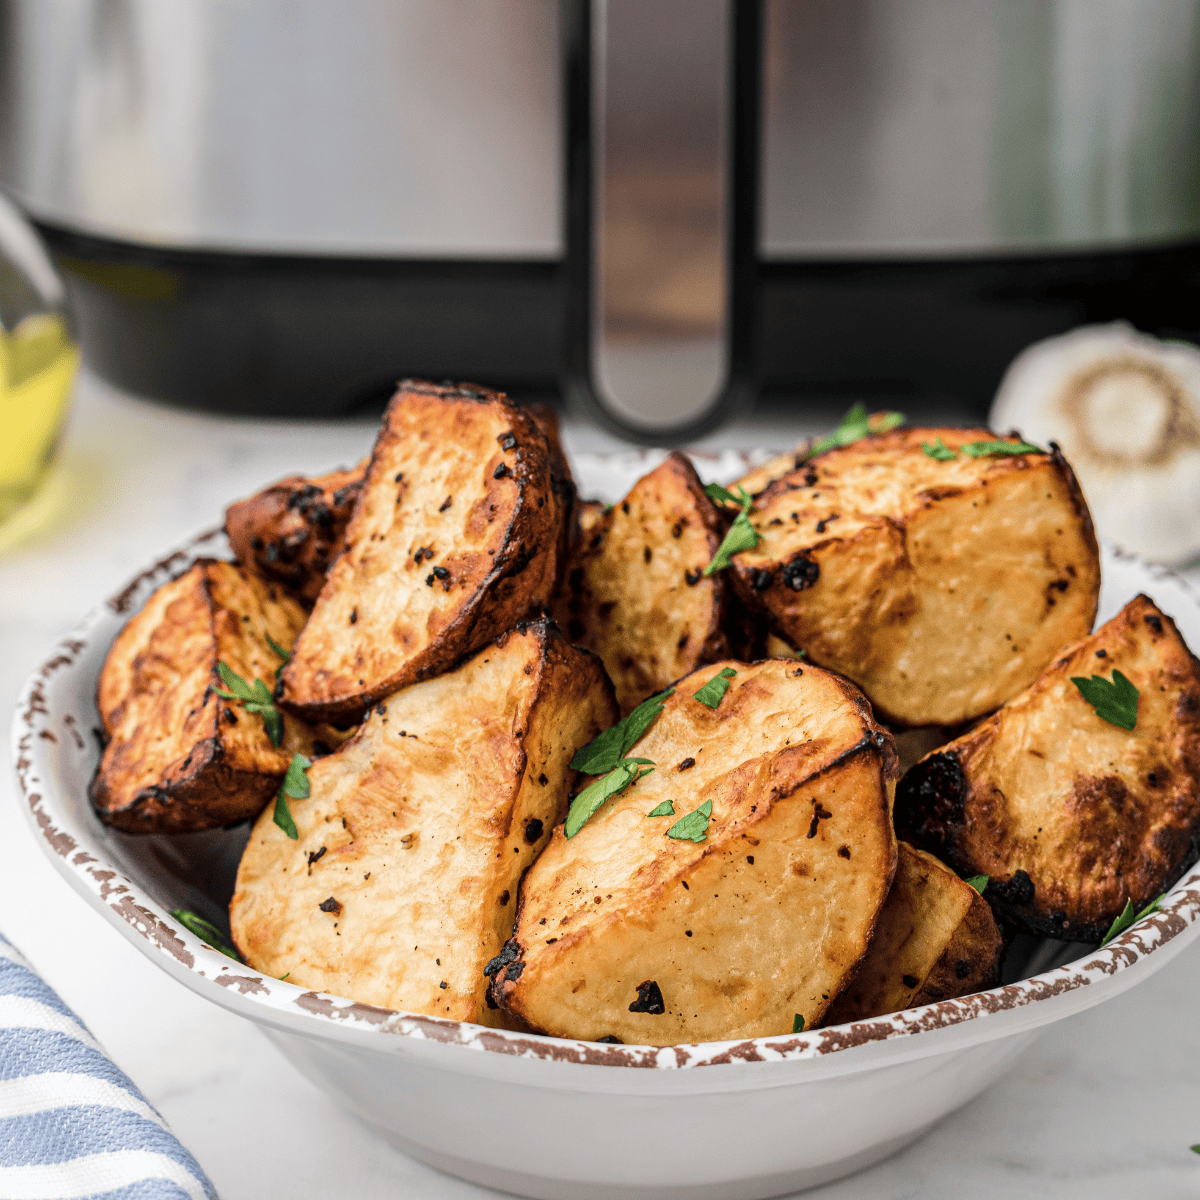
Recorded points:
(459, 533)
(1070, 815)
(403, 882)
(757, 479)
(634, 592)
(935, 939)
(942, 588)
(626, 932)
(180, 758)
(292, 530)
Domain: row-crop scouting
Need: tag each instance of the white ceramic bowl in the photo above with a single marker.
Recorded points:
(550, 1117)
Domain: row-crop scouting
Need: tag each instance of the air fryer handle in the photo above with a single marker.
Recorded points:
(661, 112)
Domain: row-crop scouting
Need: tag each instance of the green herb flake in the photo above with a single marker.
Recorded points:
(713, 692)
(285, 975)
(603, 752)
(938, 450)
(1128, 917)
(693, 827)
(722, 495)
(1115, 702)
(589, 801)
(1195, 1149)
(254, 698)
(798, 1023)
(978, 882)
(205, 931)
(295, 784)
(741, 536)
(287, 658)
(665, 809)
(856, 425)
(986, 449)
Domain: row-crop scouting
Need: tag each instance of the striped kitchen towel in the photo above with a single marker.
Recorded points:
(72, 1125)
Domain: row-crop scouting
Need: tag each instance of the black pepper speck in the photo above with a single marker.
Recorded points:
(649, 999)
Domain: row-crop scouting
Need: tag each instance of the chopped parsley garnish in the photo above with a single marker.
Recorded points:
(603, 752)
(722, 495)
(983, 449)
(713, 692)
(295, 784)
(205, 931)
(287, 658)
(693, 827)
(938, 450)
(588, 802)
(1114, 702)
(665, 809)
(1127, 918)
(1195, 1149)
(254, 699)
(606, 755)
(798, 1023)
(857, 424)
(978, 882)
(741, 536)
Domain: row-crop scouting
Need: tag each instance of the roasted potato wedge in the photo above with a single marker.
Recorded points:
(1071, 816)
(625, 931)
(634, 591)
(403, 882)
(942, 588)
(460, 532)
(180, 758)
(292, 530)
(935, 939)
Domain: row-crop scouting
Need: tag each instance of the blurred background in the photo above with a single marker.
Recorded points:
(662, 210)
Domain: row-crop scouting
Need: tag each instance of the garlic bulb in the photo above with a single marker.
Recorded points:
(1125, 409)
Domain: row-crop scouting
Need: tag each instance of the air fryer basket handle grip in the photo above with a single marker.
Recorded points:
(657, 229)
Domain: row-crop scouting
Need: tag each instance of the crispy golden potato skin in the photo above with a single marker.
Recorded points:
(940, 588)
(180, 758)
(419, 829)
(459, 533)
(1072, 816)
(634, 593)
(764, 919)
(935, 939)
(292, 530)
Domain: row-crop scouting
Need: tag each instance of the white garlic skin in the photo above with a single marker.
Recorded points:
(1124, 408)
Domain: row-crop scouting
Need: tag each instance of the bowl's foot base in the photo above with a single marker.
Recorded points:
(761, 1187)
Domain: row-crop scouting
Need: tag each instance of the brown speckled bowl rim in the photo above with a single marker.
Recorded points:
(259, 996)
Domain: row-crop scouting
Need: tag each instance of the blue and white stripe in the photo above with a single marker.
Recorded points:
(72, 1125)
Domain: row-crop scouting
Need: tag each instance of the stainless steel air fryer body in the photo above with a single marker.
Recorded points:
(422, 128)
(667, 202)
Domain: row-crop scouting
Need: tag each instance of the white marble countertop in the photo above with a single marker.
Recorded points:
(1105, 1105)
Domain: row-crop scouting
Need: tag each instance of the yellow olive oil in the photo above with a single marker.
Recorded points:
(38, 360)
